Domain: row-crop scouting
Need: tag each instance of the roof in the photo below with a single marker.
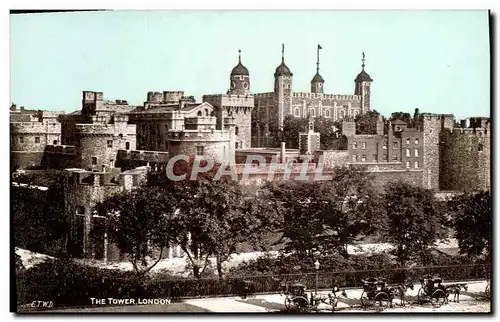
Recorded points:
(317, 78)
(283, 70)
(363, 77)
(239, 70)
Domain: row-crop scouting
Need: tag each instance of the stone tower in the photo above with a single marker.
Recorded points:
(362, 87)
(317, 82)
(239, 79)
(283, 89)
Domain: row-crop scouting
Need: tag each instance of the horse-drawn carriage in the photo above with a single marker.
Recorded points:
(375, 293)
(432, 290)
(297, 299)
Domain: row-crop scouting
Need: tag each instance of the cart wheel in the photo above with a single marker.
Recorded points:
(438, 298)
(366, 300)
(288, 303)
(487, 291)
(300, 304)
(381, 301)
(422, 296)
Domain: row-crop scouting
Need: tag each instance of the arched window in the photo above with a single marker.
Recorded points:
(199, 113)
(127, 145)
(296, 112)
(236, 130)
(212, 113)
(206, 112)
(120, 136)
(356, 112)
(327, 113)
(341, 114)
(312, 111)
(55, 142)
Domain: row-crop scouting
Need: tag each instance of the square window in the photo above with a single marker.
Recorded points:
(395, 157)
(408, 152)
(407, 164)
(363, 158)
(94, 160)
(408, 141)
(354, 158)
(355, 145)
(37, 139)
(110, 143)
(416, 141)
(199, 150)
(375, 157)
(416, 164)
(21, 139)
(416, 152)
(394, 145)
(384, 157)
(363, 145)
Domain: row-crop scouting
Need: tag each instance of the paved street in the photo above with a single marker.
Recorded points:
(469, 302)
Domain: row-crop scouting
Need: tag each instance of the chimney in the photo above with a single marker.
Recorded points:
(282, 152)
(22, 108)
(182, 103)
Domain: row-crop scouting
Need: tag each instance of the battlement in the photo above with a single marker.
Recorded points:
(142, 155)
(230, 100)
(35, 127)
(338, 97)
(114, 177)
(210, 135)
(90, 96)
(61, 149)
(468, 132)
(435, 117)
(258, 95)
(105, 129)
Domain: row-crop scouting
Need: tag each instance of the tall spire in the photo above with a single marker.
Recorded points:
(363, 60)
(239, 56)
(282, 53)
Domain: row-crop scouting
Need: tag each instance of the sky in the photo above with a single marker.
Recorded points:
(436, 61)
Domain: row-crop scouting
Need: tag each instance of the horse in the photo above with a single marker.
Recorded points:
(400, 291)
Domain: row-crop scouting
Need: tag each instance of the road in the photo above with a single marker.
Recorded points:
(470, 301)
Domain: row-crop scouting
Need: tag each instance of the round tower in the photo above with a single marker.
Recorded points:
(239, 79)
(362, 87)
(317, 82)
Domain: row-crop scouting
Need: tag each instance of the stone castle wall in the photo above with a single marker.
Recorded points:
(464, 159)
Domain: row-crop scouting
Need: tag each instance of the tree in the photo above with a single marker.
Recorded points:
(324, 217)
(415, 221)
(292, 126)
(301, 205)
(357, 208)
(217, 216)
(472, 222)
(137, 223)
(39, 219)
(367, 123)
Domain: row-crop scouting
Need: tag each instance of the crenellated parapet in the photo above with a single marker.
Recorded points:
(35, 128)
(337, 97)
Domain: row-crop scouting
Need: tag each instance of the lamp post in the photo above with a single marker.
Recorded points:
(316, 265)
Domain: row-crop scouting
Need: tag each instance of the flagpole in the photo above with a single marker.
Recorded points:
(317, 63)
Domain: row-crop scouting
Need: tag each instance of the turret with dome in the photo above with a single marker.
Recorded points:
(362, 87)
(239, 79)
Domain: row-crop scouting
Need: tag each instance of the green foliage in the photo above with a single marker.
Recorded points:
(472, 222)
(415, 221)
(367, 123)
(324, 217)
(39, 219)
(137, 222)
(292, 126)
